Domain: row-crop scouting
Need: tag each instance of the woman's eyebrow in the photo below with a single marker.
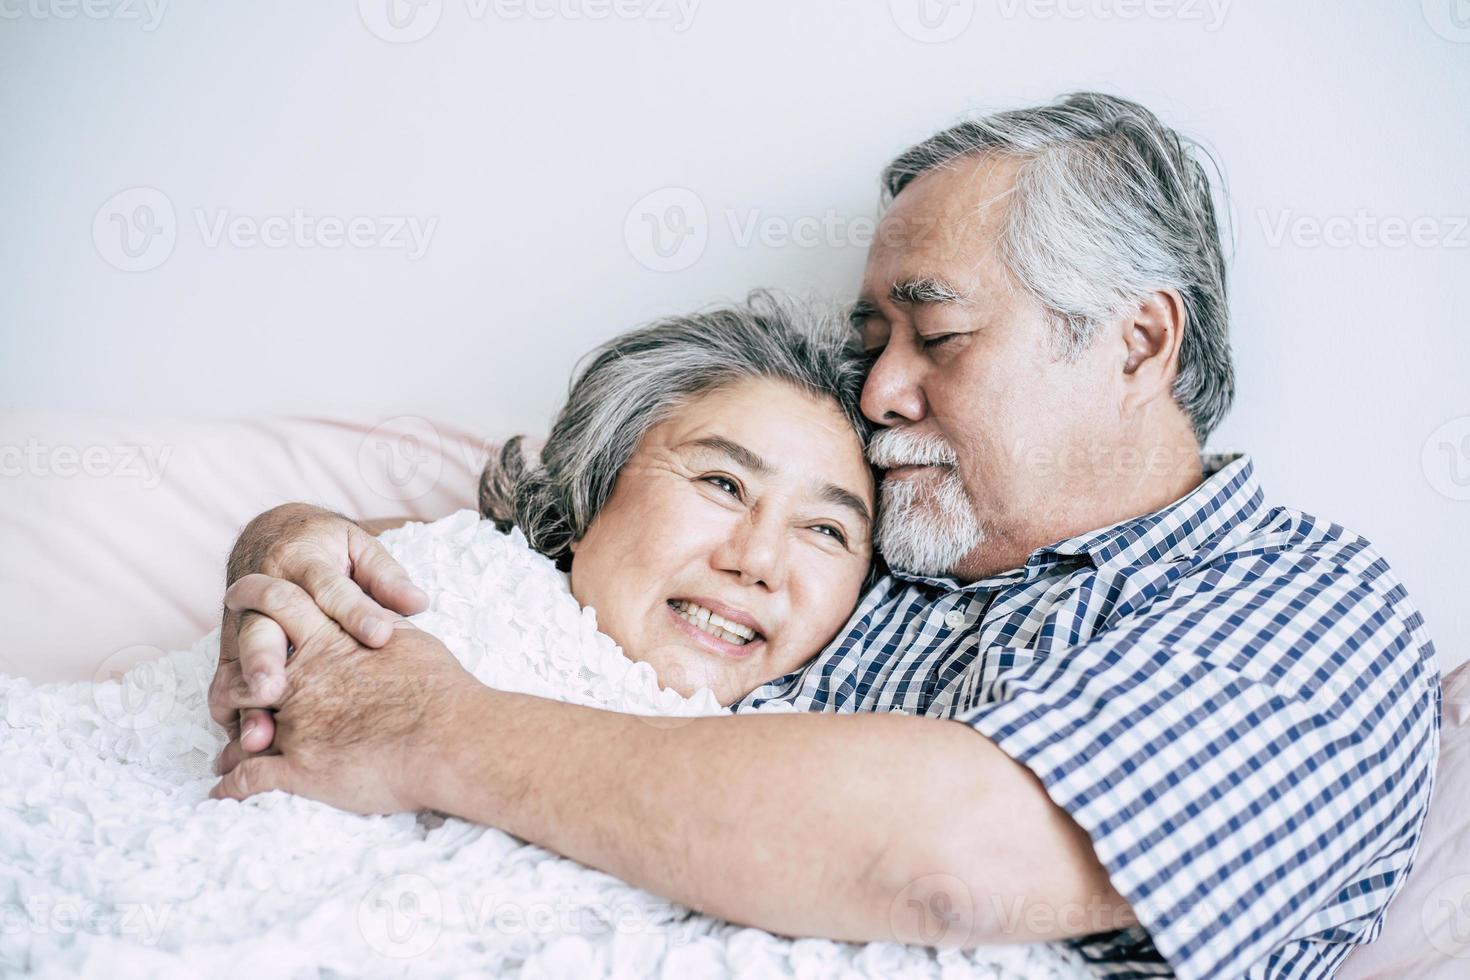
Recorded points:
(728, 447)
(833, 494)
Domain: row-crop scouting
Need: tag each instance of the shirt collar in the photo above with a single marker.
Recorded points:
(1229, 495)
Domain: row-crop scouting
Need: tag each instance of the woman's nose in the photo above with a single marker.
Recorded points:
(892, 394)
(755, 551)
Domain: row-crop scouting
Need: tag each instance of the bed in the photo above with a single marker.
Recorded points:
(116, 533)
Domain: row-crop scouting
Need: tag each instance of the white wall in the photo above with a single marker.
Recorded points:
(528, 131)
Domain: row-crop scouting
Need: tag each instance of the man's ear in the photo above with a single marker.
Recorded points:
(1151, 338)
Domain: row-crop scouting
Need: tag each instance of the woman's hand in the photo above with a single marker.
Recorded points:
(346, 573)
(354, 727)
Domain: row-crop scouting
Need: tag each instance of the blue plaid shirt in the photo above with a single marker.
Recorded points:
(1239, 704)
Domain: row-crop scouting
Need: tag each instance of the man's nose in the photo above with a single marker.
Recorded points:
(892, 395)
(755, 550)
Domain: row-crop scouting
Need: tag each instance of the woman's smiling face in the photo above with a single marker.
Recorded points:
(735, 541)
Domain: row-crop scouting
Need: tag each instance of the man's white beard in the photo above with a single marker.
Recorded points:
(927, 524)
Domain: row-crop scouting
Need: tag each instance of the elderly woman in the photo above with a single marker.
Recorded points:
(706, 489)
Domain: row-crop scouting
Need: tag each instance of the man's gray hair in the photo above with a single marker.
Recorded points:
(641, 378)
(1109, 205)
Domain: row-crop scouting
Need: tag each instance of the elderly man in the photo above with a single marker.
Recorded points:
(1106, 694)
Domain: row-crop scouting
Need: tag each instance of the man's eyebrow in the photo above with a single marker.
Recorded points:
(925, 289)
(729, 447)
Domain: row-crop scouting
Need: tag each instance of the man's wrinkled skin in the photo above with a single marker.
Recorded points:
(343, 568)
(322, 736)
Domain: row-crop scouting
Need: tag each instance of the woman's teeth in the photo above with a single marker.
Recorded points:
(714, 624)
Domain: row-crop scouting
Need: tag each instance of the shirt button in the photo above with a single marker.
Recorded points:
(954, 619)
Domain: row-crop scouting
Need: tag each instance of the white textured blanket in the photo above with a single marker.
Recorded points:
(114, 863)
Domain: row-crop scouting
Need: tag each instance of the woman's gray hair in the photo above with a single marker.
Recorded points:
(639, 379)
(1109, 205)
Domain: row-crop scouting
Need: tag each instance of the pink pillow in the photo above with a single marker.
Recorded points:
(116, 531)
(1426, 932)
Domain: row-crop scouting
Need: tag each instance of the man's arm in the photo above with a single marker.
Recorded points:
(855, 827)
(861, 827)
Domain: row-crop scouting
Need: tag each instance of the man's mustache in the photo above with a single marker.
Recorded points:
(901, 447)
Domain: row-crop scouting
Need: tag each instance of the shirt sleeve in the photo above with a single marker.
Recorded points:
(1252, 755)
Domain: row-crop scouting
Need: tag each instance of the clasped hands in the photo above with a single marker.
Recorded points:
(355, 716)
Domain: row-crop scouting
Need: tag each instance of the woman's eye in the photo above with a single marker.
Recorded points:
(937, 340)
(832, 532)
(726, 484)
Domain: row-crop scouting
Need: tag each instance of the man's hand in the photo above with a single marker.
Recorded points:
(341, 567)
(355, 727)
